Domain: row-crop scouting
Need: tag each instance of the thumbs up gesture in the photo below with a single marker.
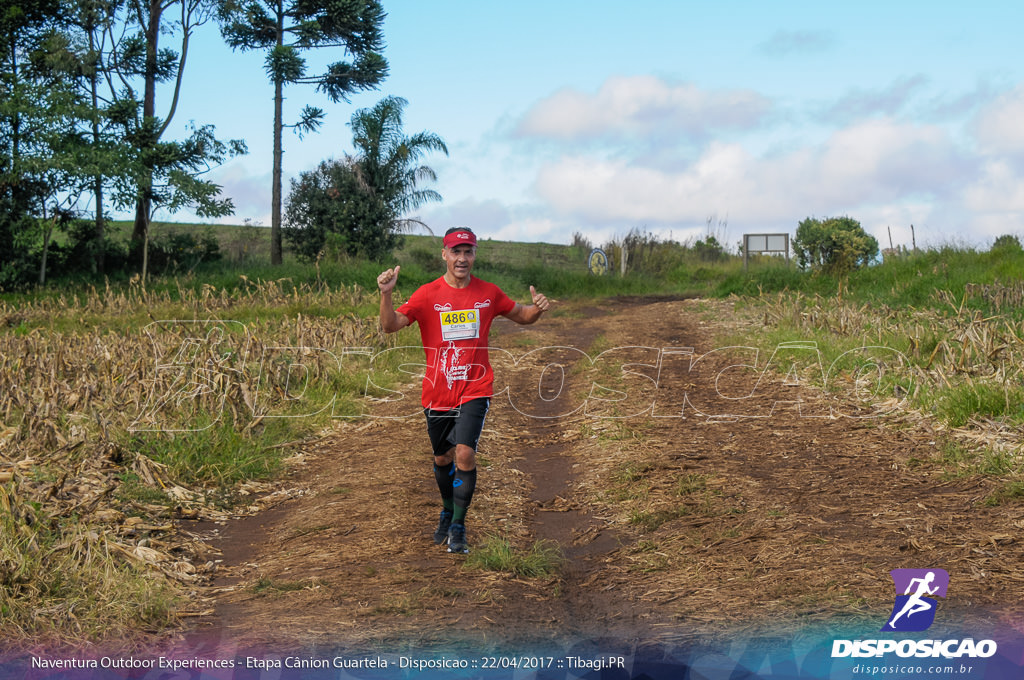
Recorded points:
(539, 300)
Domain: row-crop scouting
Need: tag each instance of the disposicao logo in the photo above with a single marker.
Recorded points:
(913, 611)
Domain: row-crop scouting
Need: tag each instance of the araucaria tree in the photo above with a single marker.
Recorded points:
(286, 29)
(361, 204)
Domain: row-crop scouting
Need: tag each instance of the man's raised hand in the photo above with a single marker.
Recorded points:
(538, 299)
(386, 280)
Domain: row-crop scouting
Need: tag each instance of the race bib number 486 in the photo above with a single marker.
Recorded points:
(460, 324)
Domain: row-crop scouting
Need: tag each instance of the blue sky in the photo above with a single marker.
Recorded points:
(601, 117)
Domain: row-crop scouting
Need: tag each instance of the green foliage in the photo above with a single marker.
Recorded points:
(174, 252)
(389, 161)
(1007, 242)
(332, 201)
(957, 405)
(357, 205)
(836, 245)
(709, 249)
(1009, 492)
(644, 252)
(77, 120)
(219, 456)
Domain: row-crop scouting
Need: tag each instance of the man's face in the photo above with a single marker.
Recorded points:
(459, 260)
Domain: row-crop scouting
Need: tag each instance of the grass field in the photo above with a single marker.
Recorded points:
(114, 420)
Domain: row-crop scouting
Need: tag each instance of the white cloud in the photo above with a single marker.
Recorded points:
(997, 127)
(639, 106)
(483, 217)
(870, 163)
(249, 192)
(997, 189)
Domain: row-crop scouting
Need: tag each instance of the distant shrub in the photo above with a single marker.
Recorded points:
(836, 245)
(709, 249)
(581, 242)
(644, 252)
(175, 252)
(1007, 242)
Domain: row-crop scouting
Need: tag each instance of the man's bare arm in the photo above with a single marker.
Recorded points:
(390, 320)
(527, 314)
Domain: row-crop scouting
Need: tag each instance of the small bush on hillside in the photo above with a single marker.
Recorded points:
(174, 252)
(644, 252)
(836, 245)
(333, 201)
(1007, 242)
(709, 249)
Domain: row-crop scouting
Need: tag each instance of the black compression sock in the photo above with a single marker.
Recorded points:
(463, 487)
(445, 476)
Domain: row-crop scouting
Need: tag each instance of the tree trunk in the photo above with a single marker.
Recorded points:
(145, 252)
(100, 252)
(47, 230)
(275, 201)
(140, 231)
(275, 204)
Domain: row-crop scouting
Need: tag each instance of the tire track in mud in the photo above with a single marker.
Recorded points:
(544, 404)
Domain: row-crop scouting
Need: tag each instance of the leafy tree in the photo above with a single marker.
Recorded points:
(166, 174)
(364, 200)
(37, 136)
(709, 249)
(332, 206)
(286, 29)
(390, 161)
(836, 244)
(77, 116)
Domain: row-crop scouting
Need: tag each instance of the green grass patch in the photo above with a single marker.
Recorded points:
(220, 455)
(960, 461)
(691, 483)
(1011, 492)
(958, 404)
(133, 490)
(496, 553)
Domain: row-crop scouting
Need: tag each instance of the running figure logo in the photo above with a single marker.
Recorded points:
(914, 610)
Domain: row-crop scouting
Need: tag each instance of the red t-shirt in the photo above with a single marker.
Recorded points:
(454, 325)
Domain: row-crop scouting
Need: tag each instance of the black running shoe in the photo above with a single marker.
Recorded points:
(457, 539)
(441, 533)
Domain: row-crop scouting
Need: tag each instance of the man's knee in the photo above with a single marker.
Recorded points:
(465, 457)
(446, 457)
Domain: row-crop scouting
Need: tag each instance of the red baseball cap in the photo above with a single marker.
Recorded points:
(460, 237)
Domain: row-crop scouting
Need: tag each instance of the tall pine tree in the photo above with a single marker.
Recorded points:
(286, 29)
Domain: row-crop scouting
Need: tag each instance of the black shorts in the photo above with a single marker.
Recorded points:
(460, 425)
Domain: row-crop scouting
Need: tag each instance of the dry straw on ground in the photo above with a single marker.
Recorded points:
(80, 377)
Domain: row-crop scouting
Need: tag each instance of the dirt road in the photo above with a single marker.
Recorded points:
(674, 525)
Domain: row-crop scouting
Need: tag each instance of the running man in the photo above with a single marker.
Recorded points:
(915, 603)
(455, 314)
